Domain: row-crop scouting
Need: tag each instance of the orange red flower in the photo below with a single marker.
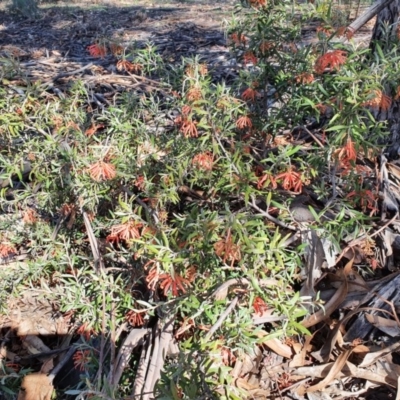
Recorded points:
(291, 180)
(346, 156)
(173, 282)
(324, 30)
(81, 359)
(127, 231)
(259, 306)
(249, 94)
(194, 94)
(238, 38)
(266, 180)
(140, 182)
(304, 78)
(93, 129)
(366, 199)
(266, 46)
(249, 58)
(227, 250)
(186, 110)
(204, 161)
(244, 122)
(97, 50)
(186, 126)
(102, 171)
(258, 3)
(378, 100)
(30, 216)
(7, 250)
(125, 65)
(135, 318)
(86, 331)
(330, 61)
(116, 49)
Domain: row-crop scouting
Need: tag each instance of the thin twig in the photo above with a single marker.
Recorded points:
(148, 210)
(222, 318)
(98, 260)
(112, 344)
(103, 332)
(270, 217)
(311, 134)
(64, 360)
(76, 71)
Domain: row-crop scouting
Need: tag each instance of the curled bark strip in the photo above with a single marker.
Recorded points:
(162, 340)
(144, 361)
(372, 357)
(124, 354)
(166, 338)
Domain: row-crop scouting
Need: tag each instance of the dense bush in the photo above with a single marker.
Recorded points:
(188, 187)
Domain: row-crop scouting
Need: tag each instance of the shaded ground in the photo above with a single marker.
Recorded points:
(57, 41)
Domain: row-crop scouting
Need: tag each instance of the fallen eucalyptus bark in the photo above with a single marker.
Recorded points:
(385, 296)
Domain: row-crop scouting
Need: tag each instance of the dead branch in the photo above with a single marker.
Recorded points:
(368, 15)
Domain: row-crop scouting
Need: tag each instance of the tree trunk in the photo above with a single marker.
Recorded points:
(387, 33)
(386, 26)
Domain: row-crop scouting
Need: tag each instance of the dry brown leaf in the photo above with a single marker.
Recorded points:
(334, 302)
(299, 360)
(279, 348)
(333, 373)
(36, 387)
(314, 371)
(394, 170)
(244, 384)
(250, 363)
(377, 375)
(361, 349)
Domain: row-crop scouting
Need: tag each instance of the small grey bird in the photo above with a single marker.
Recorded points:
(301, 207)
(301, 210)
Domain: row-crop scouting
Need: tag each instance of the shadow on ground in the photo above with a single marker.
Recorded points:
(69, 30)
